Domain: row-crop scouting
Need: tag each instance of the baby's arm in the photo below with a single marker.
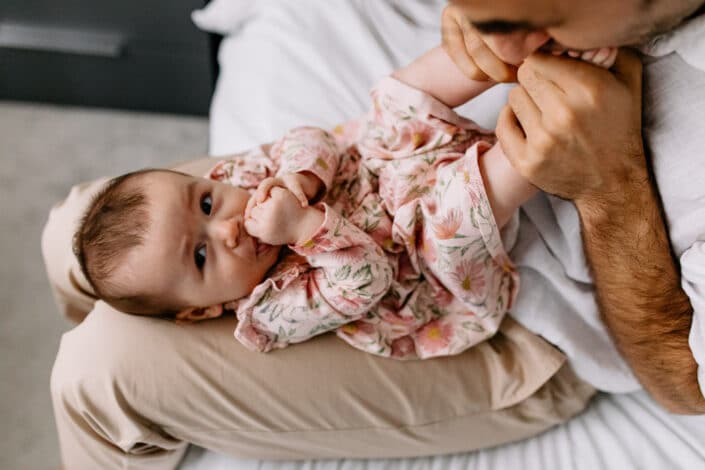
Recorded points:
(348, 275)
(436, 74)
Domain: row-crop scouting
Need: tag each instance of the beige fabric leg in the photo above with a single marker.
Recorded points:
(130, 392)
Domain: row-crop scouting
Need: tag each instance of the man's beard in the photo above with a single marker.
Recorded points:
(664, 25)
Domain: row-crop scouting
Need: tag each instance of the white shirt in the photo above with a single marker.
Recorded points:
(557, 297)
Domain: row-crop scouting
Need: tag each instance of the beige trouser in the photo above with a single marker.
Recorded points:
(132, 392)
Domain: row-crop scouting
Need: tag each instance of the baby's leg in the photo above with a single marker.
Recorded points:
(506, 188)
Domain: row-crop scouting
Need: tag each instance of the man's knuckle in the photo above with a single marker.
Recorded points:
(542, 140)
(562, 119)
(515, 95)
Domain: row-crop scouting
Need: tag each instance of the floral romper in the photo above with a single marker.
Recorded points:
(409, 262)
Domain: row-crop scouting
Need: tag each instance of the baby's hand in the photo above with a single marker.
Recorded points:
(281, 219)
(304, 186)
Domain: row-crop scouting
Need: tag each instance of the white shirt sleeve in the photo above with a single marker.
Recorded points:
(693, 282)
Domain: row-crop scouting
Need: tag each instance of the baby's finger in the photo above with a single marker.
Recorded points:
(250, 205)
(294, 186)
(252, 227)
(264, 187)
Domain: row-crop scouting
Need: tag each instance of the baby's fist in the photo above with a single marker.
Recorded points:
(275, 220)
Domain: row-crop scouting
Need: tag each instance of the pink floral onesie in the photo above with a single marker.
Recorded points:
(409, 262)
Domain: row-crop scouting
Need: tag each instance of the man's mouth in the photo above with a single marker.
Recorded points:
(260, 247)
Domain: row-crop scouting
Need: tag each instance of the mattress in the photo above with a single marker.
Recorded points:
(311, 62)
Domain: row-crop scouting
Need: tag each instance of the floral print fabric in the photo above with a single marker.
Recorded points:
(409, 262)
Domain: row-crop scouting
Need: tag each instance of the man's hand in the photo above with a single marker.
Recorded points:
(281, 219)
(467, 48)
(574, 129)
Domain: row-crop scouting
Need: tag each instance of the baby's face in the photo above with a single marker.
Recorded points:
(196, 252)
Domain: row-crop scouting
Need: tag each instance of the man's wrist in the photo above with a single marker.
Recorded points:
(629, 193)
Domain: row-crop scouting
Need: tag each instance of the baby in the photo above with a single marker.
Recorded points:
(386, 231)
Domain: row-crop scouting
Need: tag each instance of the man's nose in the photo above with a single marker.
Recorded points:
(514, 47)
(227, 231)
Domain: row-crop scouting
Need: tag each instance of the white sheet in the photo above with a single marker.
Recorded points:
(312, 62)
(289, 63)
(619, 432)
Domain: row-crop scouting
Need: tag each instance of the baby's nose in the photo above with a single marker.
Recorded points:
(228, 230)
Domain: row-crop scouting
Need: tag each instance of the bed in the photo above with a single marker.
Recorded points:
(311, 62)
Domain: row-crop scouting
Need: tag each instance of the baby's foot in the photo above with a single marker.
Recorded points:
(602, 57)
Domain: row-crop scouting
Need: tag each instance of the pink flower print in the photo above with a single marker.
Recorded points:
(403, 347)
(349, 255)
(413, 134)
(435, 336)
(431, 205)
(442, 297)
(428, 248)
(472, 188)
(504, 263)
(357, 328)
(469, 276)
(347, 304)
(447, 226)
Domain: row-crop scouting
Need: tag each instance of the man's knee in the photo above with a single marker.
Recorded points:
(93, 381)
(103, 402)
(71, 291)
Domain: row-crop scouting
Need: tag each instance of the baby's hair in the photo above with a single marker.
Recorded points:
(116, 222)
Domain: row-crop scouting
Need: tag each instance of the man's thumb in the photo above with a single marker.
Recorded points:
(628, 68)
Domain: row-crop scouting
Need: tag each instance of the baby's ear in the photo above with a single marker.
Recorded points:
(194, 314)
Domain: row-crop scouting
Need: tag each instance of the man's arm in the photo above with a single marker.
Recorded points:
(639, 292)
(574, 130)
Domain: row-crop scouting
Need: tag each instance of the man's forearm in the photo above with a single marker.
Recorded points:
(639, 292)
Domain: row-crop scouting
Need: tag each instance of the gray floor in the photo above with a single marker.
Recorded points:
(44, 150)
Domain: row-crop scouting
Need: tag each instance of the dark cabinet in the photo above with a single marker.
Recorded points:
(142, 55)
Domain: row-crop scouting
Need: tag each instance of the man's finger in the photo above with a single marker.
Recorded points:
(486, 60)
(566, 73)
(527, 113)
(454, 45)
(628, 68)
(511, 137)
(544, 92)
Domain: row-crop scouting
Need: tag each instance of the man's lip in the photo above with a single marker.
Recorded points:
(260, 247)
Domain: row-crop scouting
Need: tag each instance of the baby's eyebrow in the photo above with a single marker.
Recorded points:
(190, 193)
(184, 250)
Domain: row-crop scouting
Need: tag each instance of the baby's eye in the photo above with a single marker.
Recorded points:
(199, 256)
(206, 203)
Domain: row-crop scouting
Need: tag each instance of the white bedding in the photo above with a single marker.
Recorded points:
(616, 432)
(287, 63)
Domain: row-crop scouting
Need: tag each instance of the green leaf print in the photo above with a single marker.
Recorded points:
(342, 273)
(364, 273)
(473, 326)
